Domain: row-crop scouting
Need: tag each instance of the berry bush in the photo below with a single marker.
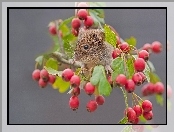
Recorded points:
(130, 66)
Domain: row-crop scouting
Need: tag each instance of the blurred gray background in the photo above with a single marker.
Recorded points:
(28, 37)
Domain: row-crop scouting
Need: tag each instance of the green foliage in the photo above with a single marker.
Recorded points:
(97, 4)
(123, 121)
(110, 36)
(130, 67)
(52, 63)
(169, 105)
(147, 72)
(39, 59)
(159, 99)
(142, 119)
(99, 78)
(154, 78)
(151, 66)
(128, 128)
(131, 41)
(53, 72)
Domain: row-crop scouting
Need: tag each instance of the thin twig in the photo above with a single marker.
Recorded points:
(125, 97)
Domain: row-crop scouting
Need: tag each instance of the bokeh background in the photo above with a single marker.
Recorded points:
(29, 37)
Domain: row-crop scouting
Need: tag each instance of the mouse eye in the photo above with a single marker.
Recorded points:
(85, 47)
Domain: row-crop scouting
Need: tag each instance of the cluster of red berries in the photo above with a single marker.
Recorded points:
(43, 77)
(134, 113)
(150, 88)
(69, 76)
(82, 16)
(53, 31)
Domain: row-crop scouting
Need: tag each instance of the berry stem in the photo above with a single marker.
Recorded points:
(136, 97)
(36, 65)
(133, 100)
(125, 97)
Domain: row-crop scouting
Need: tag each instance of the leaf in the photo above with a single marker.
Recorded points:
(159, 99)
(97, 4)
(154, 78)
(65, 22)
(123, 121)
(52, 63)
(127, 129)
(62, 85)
(130, 67)
(131, 41)
(147, 73)
(142, 119)
(118, 67)
(53, 72)
(151, 66)
(39, 59)
(169, 105)
(99, 78)
(110, 36)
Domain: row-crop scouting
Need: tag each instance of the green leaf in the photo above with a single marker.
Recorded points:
(123, 121)
(159, 99)
(65, 22)
(62, 85)
(128, 128)
(130, 67)
(154, 78)
(53, 72)
(99, 78)
(97, 4)
(147, 72)
(118, 67)
(151, 66)
(142, 119)
(39, 59)
(169, 105)
(131, 41)
(110, 36)
(52, 63)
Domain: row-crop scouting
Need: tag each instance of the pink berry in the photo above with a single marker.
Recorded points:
(100, 100)
(136, 121)
(148, 89)
(44, 75)
(89, 88)
(82, 14)
(138, 110)
(169, 91)
(137, 78)
(124, 47)
(42, 83)
(52, 79)
(91, 106)
(74, 103)
(110, 80)
(76, 91)
(121, 80)
(156, 47)
(143, 77)
(158, 88)
(74, 32)
(130, 114)
(36, 74)
(148, 115)
(144, 55)
(52, 29)
(147, 106)
(130, 86)
(116, 53)
(88, 21)
(138, 128)
(67, 74)
(82, 4)
(75, 23)
(147, 47)
(139, 64)
(75, 81)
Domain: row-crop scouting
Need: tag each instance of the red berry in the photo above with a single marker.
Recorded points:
(148, 89)
(36, 74)
(75, 81)
(110, 80)
(89, 88)
(116, 53)
(139, 64)
(136, 121)
(138, 110)
(91, 106)
(42, 83)
(121, 80)
(147, 47)
(158, 88)
(67, 74)
(88, 21)
(82, 14)
(130, 114)
(143, 77)
(74, 102)
(144, 55)
(169, 91)
(52, 30)
(130, 86)
(74, 32)
(156, 47)
(75, 23)
(125, 47)
(100, 100)
(82, 4)
(44, 75)
(52, 79)
(147, 106)
(138, 128)
(148, 115)
(137, 78)
(76, 91)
